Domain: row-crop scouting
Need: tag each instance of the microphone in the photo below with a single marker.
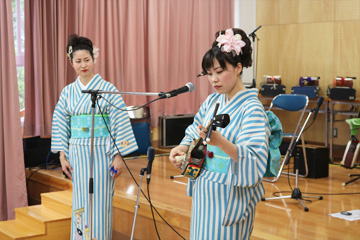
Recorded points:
(150, 156)
(252, 34)
(90, 91)
(189, 87)
(319, 102)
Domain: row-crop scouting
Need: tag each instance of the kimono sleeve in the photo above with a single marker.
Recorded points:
(190, 134)
(252, 145)
(121, 129)
(60, 134)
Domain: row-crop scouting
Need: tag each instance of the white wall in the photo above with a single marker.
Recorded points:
(245, 18)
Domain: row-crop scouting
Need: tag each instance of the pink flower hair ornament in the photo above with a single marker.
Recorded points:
(230, 42)
(95, 53)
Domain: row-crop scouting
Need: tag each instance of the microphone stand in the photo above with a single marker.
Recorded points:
(254, 36)
(124, 93)
(94, 95)
(150, 151)
(137, 202)
(91, 176)
(296, 193)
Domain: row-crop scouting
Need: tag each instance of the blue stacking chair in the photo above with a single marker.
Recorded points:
(291, 103)
(142, 135)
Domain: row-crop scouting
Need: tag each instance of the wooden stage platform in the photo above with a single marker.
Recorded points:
(276, 219)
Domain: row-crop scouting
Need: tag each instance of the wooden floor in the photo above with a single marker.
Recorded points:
(275, 219)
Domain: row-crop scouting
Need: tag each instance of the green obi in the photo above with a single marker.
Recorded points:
(81, 126)
(216, 160)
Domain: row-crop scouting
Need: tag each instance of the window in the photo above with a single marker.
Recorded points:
(18, 10)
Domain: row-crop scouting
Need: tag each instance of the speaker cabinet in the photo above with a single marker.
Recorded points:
(317, 160)
(172, 129)
(37, 152)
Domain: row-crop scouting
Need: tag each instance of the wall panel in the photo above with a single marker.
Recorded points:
(347, 10)
(306, 50)
(268, 51)
(347, 49)
(305, 11)
(267, 12)
(310, 37)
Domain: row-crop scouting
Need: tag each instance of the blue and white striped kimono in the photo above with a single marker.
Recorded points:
(223, 202)
(73, 102)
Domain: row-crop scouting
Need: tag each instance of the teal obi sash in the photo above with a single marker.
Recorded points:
(81, 126)
(216, 160)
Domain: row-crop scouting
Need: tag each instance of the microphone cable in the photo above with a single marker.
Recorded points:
(128, 110)
(152, 212)
(310, 123)
(292, 156)
(276, 194)
(127, 167)
(56, 164)
(288, 175)
(315, 113)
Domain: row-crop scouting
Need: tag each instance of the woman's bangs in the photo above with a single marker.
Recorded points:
(207, 62)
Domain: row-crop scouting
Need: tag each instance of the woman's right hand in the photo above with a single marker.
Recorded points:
(177, 151)
(65, 165)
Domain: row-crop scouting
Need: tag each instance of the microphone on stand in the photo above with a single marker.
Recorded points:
(252, 34)
(319, 102)
(189, 87)
(90, 91)
(150, 156)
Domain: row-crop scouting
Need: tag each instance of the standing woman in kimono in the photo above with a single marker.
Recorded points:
(229, 186)
(71, 135)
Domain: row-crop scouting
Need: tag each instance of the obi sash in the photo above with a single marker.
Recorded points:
(81, 126)
(275, 139)
(216, 160)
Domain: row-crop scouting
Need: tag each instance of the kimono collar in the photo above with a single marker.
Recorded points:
(82, 86)
(240, 96)
(227, 100)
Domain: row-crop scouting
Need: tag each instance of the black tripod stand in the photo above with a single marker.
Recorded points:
(296, 193)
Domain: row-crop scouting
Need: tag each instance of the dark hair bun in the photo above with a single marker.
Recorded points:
(215, 52)
(76, 42)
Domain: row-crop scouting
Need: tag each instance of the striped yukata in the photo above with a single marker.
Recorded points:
(224, 197)
(72, 104)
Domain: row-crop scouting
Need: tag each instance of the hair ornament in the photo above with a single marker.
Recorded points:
(70, 50)
(95, 53)
(230, 42)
